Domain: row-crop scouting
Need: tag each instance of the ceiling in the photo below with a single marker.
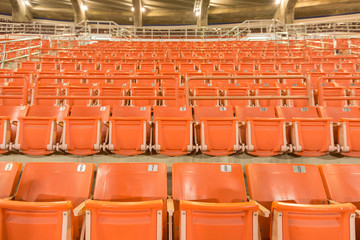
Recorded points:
(177, 12)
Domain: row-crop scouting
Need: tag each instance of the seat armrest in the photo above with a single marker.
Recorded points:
(170, 206)
(9, 198)
(80, 209)
(170, 210)
(263, 211)
(357, 212)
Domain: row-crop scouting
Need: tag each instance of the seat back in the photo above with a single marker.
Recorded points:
(212, 112)
(9, 177)
(208, 182)
(59, 112)
(49, 181)
(129, 182)
(338, 112)
(14, 112)
(173, 112)
(296, 112)
(97, 111)
(133, 112)
(297, 183)
(244, 112)
(341, 182)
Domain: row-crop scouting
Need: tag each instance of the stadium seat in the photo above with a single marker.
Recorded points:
(310, 135)
(144, 91)
(217, 130)
(237, 89)
(8, 124)
(332, 91)
(267, 89)
(198, 91)
(263, 133)
(111, 90)
(42, 206)
(173, 130)
(129, 202)
(210, 203)
(340, 182)
(81, 89)
(346, 122)
(299, 204)
(39, 132)
(9, 177)
(84, 131)
(129, 130)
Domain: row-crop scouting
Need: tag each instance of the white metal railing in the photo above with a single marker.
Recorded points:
(212, 31)
(23, 50)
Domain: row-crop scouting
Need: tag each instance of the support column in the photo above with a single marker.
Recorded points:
(202, 20)
(138, 20)
(20, 11)
(286, 11)
(79, 10)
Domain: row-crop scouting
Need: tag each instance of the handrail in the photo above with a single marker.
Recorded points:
(188, 98)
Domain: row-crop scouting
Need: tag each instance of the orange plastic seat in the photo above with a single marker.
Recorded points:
(341, 185)
(129, 130)
(9, 116)
(85, 130)
(310, 135)
(129, 202)
(144, 91)
(199, 91)
(346, 128)
(261, 131)
(44, 201)
(299, 205)
(40, 130)
(268, 89)
(82, 89)
(333, 91)
(111, 90)
(9, 177)
(217, 130)
(238, 89)
(173, 133)
(211, 204)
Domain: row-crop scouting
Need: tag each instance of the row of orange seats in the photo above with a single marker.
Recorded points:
(201, 67)
(173, 131)
(209, 201)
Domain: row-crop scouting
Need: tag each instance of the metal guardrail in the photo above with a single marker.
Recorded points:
(21, 49)
(170, 32)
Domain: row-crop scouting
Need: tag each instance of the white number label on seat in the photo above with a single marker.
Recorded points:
(299, 169)
(222, 109)
(225, 168)
(8, 167)
(81, 168)
(152, 168)
(102, 109)
(142, 108)
(62, 108)
(182, 109)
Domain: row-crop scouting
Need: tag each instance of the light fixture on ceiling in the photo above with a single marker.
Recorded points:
(27, 3)
(143, 9)
(85, 8)
(132, 9)
(197, 13)
(278, 2)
